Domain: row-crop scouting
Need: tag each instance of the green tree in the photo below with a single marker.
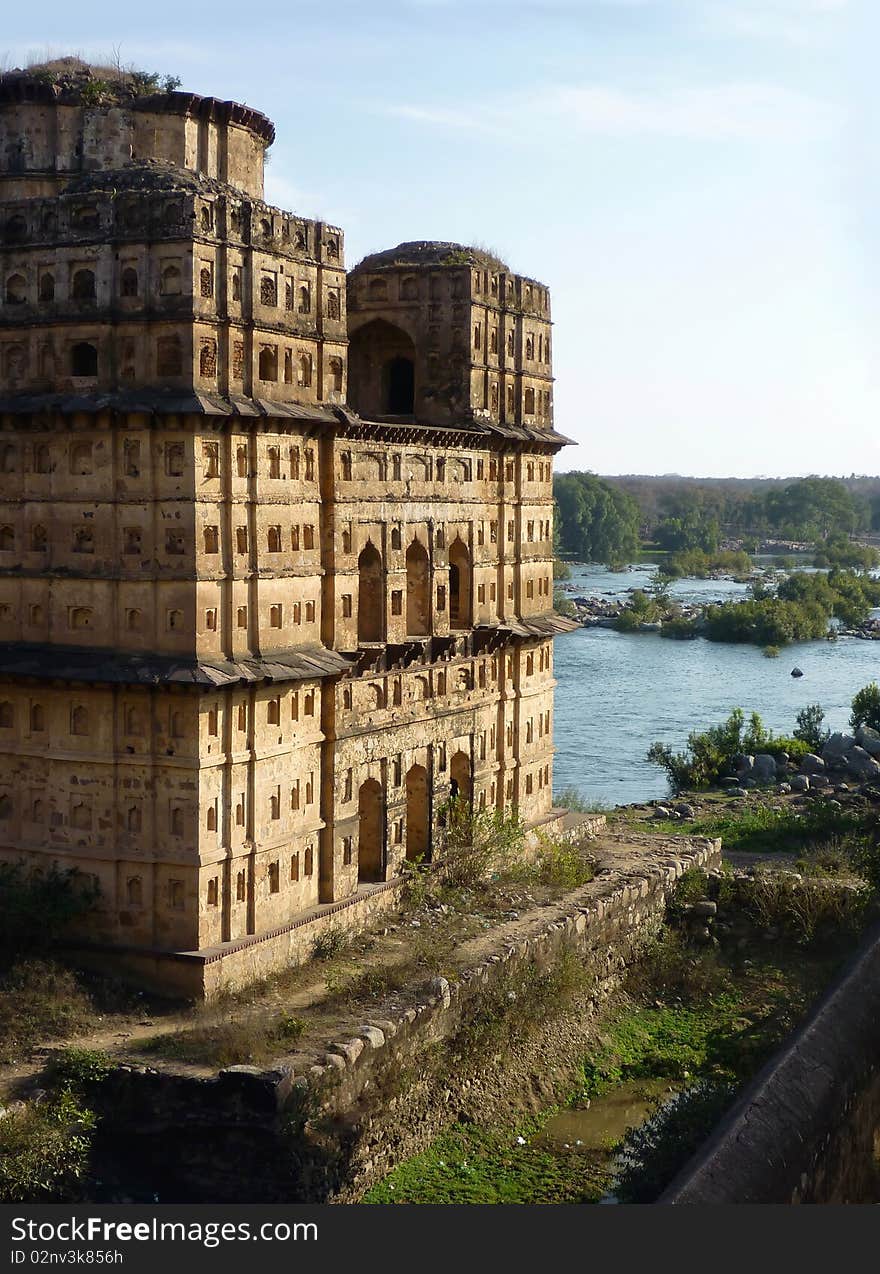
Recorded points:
(813, 508)
(809, 727)
(597, 522)
(866, 707)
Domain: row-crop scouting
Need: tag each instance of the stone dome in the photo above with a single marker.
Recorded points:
(430, 252)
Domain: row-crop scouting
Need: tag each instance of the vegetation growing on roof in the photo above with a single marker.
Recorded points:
(75, 79)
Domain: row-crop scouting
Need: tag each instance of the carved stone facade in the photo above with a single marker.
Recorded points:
(254, 629)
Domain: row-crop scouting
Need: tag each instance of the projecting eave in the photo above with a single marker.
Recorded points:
(81, 664)
(170, 402)
(164, 402)
(550, 625)
(471, 426)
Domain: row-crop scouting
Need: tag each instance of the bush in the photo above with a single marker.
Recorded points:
(866, 707)
(696, 564)
(39, 906)
(78, 1070)
(709, 755)
(564, 605)
(809, 727)
(563, 864)
(767, 622)
(839, 551)
(709, 752)
(680, 629)
(230, 1041)
(329, 944)
(39, 1000)
(45, 1151)
(474, 844)
(804, 913)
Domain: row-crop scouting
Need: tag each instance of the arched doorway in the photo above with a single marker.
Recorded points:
(460, 777)
(371, 595)
(417, 813)
(381, 370)
(400, 386)
(418, 591)
(459, 584)
(371, 827)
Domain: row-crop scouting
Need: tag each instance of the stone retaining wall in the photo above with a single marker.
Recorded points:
(804, 1130)
(328, 1129)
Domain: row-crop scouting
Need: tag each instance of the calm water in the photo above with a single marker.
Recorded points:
(616, 693)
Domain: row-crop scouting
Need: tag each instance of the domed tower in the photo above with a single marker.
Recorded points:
(445, 334)
(251, 641)
(171, 348)
(137, 251)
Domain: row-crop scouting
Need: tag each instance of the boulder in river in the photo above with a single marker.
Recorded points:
(868, 739)
(764, 769)
(812, 764)
(837, 746)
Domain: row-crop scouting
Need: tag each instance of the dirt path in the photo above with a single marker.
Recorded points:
(307, 991)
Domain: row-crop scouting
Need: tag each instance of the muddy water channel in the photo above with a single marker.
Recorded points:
(689, 1028)
(601, 1123)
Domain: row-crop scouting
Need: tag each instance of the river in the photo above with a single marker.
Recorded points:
(618, 692)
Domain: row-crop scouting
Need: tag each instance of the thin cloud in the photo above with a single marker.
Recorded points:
(795, 22)
(749, 111)
(738, 111)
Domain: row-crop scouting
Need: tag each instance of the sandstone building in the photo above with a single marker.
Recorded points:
(275, 543)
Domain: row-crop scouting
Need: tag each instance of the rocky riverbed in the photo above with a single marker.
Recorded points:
(604, 612)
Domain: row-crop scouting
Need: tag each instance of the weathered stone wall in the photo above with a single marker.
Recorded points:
(805, 1129)
(46, 140)
(329, 1127)
(348, 620)
(476, 336)
(170, 281)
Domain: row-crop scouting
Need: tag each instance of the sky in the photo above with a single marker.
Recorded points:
(693, 179)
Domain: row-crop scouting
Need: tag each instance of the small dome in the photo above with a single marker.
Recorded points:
(430, 252)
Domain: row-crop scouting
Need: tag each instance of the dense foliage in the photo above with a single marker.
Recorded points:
(597, 521)
(709, 755)
(800, 611)
(690, 511)
(679, 513)
(843, 553)
(696, 564)
(866, 707)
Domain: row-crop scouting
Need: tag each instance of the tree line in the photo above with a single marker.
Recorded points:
(606, 519)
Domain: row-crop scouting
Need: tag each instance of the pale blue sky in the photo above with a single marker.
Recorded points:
(696, 180)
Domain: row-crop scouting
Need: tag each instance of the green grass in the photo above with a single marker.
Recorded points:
(760, 828)
(689, 1016)
(469, 1164)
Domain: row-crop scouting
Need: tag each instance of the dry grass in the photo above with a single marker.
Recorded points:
(233, 1039)
(40, 1000)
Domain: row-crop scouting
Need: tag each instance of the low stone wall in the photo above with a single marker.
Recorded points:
(804, 1129)
(203, 975)
(326, 1129)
